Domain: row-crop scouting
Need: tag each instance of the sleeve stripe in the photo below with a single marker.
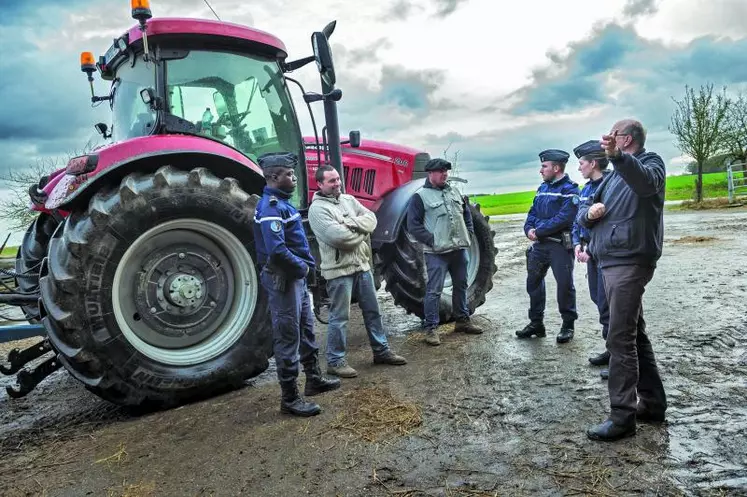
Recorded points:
(295, 216)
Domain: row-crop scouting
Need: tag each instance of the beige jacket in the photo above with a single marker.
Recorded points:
(342, 227)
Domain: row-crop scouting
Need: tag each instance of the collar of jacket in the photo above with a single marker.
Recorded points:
(601, 178)
(558, 181)
(328, 198)
(277, 192)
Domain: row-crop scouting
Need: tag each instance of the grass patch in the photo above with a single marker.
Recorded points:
(9, 251)
(678, 188)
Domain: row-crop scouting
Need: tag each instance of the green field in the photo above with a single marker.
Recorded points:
(678, 188)
(9, 251)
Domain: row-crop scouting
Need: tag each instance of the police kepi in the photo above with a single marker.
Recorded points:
(548, 225)
(283, 250)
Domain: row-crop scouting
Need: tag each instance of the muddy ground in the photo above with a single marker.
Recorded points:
(479, 415)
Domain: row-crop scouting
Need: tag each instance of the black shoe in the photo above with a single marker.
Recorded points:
(605, 374)
(565, 335)
(291, 401)
(646, 415)
(316, 384)
(609, 431)
(600, 360)
(534, 328)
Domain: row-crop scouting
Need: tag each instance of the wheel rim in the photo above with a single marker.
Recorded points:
(184, 292)
(473, 266)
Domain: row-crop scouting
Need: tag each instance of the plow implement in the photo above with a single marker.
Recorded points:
(19, 329)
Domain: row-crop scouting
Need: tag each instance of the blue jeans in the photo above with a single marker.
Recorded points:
(455, 263)
(292, 326)
(341, 291)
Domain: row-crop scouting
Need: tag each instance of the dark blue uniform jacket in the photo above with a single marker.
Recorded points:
(580, 234)
(553, 209)
(280, 236)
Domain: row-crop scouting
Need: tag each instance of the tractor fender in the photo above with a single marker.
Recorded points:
(391, 212)
(116, 161)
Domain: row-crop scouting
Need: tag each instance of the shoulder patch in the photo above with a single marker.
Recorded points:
(276, 226)
(576, 200)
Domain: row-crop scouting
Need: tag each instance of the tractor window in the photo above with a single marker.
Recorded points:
(241, 100)
(130, 116)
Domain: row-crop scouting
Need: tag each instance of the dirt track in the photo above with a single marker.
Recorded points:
(499, 416)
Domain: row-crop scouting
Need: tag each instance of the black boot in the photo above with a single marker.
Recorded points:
(609, 431)
(600, 360)
(292, 402)
(316, 383)
(536, 328)
(566, 333)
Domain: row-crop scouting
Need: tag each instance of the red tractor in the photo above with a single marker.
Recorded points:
(148, 280)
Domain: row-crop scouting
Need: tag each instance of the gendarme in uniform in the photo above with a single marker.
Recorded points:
(550, 220)
(284, 254)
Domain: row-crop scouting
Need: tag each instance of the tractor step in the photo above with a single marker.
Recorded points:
(27, 380)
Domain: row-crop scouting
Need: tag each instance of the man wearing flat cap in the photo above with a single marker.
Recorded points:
(592, 164)
(439, 218)
(283, 251)
(548, 225)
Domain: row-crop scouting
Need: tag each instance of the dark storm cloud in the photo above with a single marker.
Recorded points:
(576, 79)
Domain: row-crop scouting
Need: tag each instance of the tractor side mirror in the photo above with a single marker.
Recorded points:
(355, 139)
(323, 57)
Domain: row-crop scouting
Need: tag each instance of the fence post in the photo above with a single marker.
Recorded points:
(730, 182)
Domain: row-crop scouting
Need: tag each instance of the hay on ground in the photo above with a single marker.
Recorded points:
(374, 414)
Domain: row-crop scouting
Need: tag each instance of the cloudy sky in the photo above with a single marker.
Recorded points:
(499, 81)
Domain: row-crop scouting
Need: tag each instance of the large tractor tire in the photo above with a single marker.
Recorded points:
(405, 272)
(29, 257)
(151, 296)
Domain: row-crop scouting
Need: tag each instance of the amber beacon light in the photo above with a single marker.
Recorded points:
(141, 13)
(88, 66)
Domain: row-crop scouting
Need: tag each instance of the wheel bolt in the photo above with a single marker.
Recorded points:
(153, 310)
(212, 304)
(181, 255)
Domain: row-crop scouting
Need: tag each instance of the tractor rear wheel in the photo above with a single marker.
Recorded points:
(152, 297)
(30, 255)
(405, 272)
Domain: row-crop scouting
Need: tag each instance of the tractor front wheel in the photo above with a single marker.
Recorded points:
(405, 272)
(152, 295)
(30, 255)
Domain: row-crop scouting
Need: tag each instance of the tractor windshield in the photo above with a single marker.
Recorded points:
(236, 98)
(131, 117)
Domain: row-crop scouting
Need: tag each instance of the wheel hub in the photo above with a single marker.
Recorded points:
(185, 290)
(181, 294)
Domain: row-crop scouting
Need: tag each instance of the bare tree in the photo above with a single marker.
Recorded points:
(736, 128)
(15, 208)
(699, 124)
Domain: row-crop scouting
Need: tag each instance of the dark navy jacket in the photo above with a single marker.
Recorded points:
(280, 236)
(580, 234)
(631, 231)
(553, 209)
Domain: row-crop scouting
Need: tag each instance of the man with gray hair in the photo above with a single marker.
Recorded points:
(625, 218)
